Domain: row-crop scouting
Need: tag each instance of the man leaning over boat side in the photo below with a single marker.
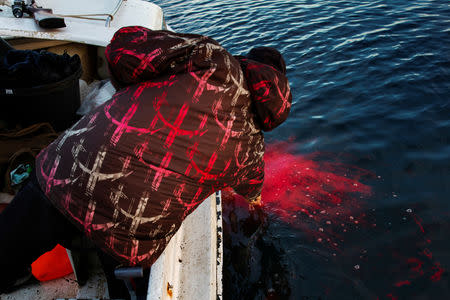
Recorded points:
(185, 122)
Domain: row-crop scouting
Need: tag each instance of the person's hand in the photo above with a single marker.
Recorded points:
(255, 203)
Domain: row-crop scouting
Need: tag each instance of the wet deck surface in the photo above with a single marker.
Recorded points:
(65, 287)
(61, 288)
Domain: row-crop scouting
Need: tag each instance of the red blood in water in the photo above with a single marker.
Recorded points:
(321, 198)
(324, 199)
(298, 183)
(392, 297)
(438, 272)
(416, 265)
(402, 283)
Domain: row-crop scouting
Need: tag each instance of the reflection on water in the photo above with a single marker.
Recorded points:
(370, 84)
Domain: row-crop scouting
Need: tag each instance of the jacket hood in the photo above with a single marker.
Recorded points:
(270, 92)
(137, 54)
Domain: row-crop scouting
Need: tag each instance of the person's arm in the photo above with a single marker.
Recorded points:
(250, 185)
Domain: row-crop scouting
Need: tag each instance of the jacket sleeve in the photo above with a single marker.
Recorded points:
(249, 183)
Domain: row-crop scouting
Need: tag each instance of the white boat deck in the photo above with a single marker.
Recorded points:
(65, 287)
(86, 31)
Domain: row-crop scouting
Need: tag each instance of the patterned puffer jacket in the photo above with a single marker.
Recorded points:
(181, 126)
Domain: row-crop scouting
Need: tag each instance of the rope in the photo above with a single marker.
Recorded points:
(87, 16)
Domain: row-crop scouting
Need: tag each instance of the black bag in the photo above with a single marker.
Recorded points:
(38, 87)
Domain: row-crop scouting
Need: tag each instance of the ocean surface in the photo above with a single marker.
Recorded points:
(370, 126)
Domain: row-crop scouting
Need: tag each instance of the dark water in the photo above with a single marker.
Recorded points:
(371, 91)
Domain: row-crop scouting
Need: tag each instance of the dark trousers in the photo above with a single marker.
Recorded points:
(30, 226)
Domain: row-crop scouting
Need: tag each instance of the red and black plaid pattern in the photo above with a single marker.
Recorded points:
(180, 128)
